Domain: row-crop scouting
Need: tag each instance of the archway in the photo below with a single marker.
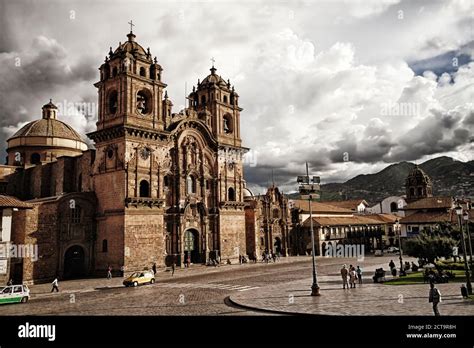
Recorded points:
(74, 262)
(277, 245)
(191, 246)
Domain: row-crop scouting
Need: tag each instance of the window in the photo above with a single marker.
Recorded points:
(231, 194)
(166, 181)
(225, 99)
(191, 183)
(412, 191)
(228, 128)
(114, 72)
(113, 102)
(144, 101)
(144, 188)
(420, 191)
(142, 72)
(17, 289)
(105, 246)
(276, 213)
(76, 215)
(393, 207)
(35, 158)
(203, 100)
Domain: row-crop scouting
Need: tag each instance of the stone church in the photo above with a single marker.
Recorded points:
(159, 187)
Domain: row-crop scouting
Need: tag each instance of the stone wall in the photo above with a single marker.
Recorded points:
(232, 235)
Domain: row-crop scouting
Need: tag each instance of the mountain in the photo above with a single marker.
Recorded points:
(450, 178)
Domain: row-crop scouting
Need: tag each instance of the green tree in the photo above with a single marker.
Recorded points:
(430, 246)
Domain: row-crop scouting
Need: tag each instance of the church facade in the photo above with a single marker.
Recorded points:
(159, 187)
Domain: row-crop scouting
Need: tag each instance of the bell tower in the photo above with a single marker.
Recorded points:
(217, 103)
(130, 88)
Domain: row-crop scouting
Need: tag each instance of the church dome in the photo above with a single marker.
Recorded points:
(132, 47)
(44, 139)
(214, 79)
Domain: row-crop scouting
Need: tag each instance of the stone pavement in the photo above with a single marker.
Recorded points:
(93, 284)
(365, 300)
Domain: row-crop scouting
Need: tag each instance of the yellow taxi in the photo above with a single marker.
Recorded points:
(139, 278)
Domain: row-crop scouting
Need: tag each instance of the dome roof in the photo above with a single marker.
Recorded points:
(247, 193)
(131, 47)
(213, 78)
(418, 177)
(47, 128)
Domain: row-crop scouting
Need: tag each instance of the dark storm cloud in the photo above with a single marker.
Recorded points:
(31, 77)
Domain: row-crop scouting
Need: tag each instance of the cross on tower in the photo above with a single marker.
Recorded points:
(131, 25)
(213, 61)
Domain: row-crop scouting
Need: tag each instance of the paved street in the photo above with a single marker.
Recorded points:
(206, 291)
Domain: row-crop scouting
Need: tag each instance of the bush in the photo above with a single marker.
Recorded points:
(448, 265)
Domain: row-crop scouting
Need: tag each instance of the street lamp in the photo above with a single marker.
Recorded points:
(466, 219)
(309, 189)
(458, 210)
(399, 231)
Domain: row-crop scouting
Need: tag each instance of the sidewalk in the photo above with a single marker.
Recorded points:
(367, 299)
(162, 275)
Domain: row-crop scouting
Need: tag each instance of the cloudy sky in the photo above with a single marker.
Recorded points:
(349, 86)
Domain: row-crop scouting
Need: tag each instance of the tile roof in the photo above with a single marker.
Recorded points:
(318, 207)
(349, 204)
(430, 203)
(12, 202)
(343, 221)
(427, 217)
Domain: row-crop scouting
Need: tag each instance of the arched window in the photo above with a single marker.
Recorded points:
(420, 191)
(113, 102)
(142, 72)
(191, 183)
(106, 71)
(228, 127)
(203, 100)
(35, 158)
(393, 207)
(144, 188)
(153, 72)
(166, 181)
(231, 194)
(105, 246)
(412, 191)
(225, 99)
(114, 72)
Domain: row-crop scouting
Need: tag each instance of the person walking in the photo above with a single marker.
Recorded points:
(122, 271)
(359, 274)
(10, 282)
(109, 272)
(391, 264)
(55, 285)
(173, 266)
(154, 268)
(344, 274)
(434, 298)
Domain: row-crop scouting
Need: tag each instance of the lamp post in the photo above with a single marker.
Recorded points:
(466, 219)
(458, 210)
(399, 231)
(308, 189)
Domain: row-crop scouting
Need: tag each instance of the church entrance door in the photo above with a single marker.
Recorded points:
(74, 262)
(191, 246)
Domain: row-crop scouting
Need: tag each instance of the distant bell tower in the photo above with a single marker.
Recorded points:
(418, 185)
(217, 103)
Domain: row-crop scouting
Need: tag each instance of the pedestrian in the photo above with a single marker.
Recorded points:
(109, 272)
(359, 274)
(435, 298)
(173, 266)
(122, 271)
(154, 268)
(10, 282)
(344, 274)
(464, 291)
(391, 264)
(274, 257)
(352, 277)
(55, 285)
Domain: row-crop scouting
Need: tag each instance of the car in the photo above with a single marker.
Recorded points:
(393, 249)
(139, 278)
(378, 252)
(14, 294)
